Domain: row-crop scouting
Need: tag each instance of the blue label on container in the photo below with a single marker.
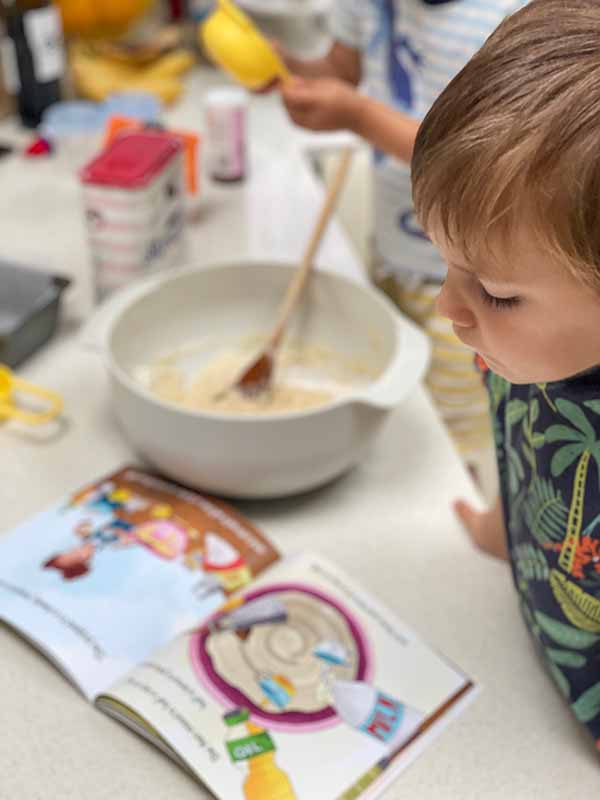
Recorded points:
(385, 719)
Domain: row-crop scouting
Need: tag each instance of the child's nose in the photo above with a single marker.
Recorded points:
(451, 306)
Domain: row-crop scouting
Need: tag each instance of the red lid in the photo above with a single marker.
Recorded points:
(131, 160)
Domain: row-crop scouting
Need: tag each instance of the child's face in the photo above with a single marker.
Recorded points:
(529, 319)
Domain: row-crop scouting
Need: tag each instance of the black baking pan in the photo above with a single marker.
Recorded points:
(29, 306)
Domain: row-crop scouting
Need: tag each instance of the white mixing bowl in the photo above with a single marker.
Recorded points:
(258, 456)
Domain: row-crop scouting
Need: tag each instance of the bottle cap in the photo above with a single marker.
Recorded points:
(236, 716)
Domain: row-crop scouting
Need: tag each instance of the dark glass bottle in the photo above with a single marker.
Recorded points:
(33, 56)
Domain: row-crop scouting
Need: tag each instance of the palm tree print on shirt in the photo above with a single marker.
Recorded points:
(548, 440)
(580, 607)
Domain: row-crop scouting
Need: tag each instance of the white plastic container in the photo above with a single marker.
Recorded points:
(376, 714)
(134, 199)
(225, 121)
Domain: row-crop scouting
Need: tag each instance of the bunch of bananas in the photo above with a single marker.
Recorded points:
(97, 73)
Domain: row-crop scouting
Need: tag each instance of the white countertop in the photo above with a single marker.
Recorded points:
(389, 523)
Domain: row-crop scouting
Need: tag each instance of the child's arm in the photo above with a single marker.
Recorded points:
(324, 98)
(341, 62)
(486, 528)
(327, 104)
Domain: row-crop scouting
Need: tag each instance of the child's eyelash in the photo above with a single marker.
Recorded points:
(498, 302)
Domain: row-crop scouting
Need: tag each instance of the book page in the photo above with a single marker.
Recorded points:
(121, 567)
(305, 687)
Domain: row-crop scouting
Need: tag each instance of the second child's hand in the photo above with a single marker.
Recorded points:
(320, 104)
(486, 529)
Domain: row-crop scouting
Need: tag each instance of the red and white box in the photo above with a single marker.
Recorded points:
(134, 198)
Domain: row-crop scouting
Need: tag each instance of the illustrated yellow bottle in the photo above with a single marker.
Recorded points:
(266, 781)
(252, 749)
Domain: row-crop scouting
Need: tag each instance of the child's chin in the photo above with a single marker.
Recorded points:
(525, 379)
(509, 375)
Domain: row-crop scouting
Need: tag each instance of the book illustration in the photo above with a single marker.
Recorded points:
(331, 652)
(244, 688)
(252, 750)
(245, 615)
(225, 562)
(128, 554)
(279, 654)
(375, 713)
(116, 517)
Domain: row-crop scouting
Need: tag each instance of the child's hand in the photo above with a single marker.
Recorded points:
(486, 528)
(321, 104)
(286, 59)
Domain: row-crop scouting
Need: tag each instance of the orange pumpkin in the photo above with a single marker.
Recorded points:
(100, 17)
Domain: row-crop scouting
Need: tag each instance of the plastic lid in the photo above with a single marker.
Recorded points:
(139, 105)
(81, 117)
(131, 160)
(236, 716)
(226, 96)
(73, 117)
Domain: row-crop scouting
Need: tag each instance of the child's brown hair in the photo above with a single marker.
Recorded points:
(516, 137)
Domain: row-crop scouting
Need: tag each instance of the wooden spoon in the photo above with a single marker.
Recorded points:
(257, 378)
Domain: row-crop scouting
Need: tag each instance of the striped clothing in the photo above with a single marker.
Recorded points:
(455, 385)
(410, 52)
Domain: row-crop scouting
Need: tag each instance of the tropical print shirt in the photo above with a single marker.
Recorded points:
(548, 447)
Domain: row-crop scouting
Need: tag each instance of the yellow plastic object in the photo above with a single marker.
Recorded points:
(238, 47)
(9, 384)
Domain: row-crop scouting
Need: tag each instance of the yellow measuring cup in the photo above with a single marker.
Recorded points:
(10, 385)
(234, 43)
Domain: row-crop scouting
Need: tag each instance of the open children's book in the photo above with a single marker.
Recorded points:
(266, 678)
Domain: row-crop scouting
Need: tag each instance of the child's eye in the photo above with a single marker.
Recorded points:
(498, 302)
